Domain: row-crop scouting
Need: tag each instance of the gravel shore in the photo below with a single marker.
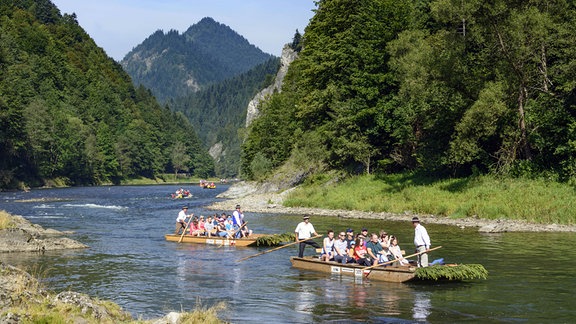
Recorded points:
(256, 198)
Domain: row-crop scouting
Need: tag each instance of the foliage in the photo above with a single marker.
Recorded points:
(69, 112)
(219, 112)
(452, 272)
(440, 86)
(274, 239)
(489, 197)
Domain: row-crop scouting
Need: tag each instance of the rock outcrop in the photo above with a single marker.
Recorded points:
(28, 237)
(288, 56)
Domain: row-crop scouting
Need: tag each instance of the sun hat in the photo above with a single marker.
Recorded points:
(415, 220)
(306, 217)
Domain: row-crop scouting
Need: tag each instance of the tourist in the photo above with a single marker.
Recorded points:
(201, 226)
(396, 252)
(194, 229)
(421, 241)
(384, 239)
(350, 238)
(221, 227)
(360, 252)
(230, 229)
(181, 220)
(375, 250)
(341, 251)
(209, 227)
(304, 231)
(328, 247)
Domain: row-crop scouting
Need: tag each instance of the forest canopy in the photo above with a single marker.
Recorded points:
(69, 112)
(443, 86)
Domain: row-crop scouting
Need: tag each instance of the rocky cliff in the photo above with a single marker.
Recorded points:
(288, 56)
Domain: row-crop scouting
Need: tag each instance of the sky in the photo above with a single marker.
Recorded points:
(120, 25)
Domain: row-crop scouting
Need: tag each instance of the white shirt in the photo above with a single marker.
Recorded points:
(341, 246)
(304, 230)
(181, 216)
(421, 236)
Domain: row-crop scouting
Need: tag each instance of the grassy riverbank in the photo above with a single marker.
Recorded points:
(488, 197)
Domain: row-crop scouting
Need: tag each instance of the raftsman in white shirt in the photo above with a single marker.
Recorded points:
(421, 236)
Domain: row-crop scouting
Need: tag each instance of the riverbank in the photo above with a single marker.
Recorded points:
(24, 299)
(262, 199)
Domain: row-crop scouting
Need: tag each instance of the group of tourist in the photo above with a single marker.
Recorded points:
(181, 193)
(224, 226)
(364, 248)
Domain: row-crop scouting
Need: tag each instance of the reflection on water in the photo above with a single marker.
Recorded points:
(422, 306)
(531, 275)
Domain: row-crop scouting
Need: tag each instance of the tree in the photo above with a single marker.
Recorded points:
(179, 158)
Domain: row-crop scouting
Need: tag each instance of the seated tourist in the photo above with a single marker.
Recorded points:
(221, 228)
(201, 226)
(209, 227)
(396, 252)
(194, 230)
(328, 247)
(341, 252)
(360, 252)
(375, 250)
(350, 238)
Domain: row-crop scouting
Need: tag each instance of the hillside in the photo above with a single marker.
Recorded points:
(426, 86)
(70, 114)
(173, 65)
(219, 113)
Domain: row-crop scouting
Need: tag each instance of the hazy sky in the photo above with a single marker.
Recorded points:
(120, 25)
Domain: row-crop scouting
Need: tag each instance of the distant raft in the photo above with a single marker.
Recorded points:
(252, 240)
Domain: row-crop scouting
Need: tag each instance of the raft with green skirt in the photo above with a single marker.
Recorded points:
(394, 273)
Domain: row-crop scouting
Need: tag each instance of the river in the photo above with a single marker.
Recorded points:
(532, 275)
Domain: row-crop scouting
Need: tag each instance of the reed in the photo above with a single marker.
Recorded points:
(533, 200)
(5, 220)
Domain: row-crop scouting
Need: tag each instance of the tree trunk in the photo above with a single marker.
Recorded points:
(524, 145)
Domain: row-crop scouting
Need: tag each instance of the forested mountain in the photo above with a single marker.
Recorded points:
(174, 65)
(70, 112)
(218, 112)
(431, 85)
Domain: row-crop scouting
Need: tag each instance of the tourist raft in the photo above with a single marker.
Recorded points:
(447, 272)
(252, 240)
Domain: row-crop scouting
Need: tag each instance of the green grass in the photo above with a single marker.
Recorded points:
(533, 200)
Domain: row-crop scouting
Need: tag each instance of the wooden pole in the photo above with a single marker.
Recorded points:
(185, 227)
(389, 262)
(278, 248)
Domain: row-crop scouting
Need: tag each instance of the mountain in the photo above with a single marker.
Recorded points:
(173, 65)
(219, 113)
(70, 114)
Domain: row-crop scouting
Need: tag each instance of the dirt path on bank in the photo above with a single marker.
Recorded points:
(254, 198)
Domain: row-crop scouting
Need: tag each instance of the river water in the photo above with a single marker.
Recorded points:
(532, 275)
